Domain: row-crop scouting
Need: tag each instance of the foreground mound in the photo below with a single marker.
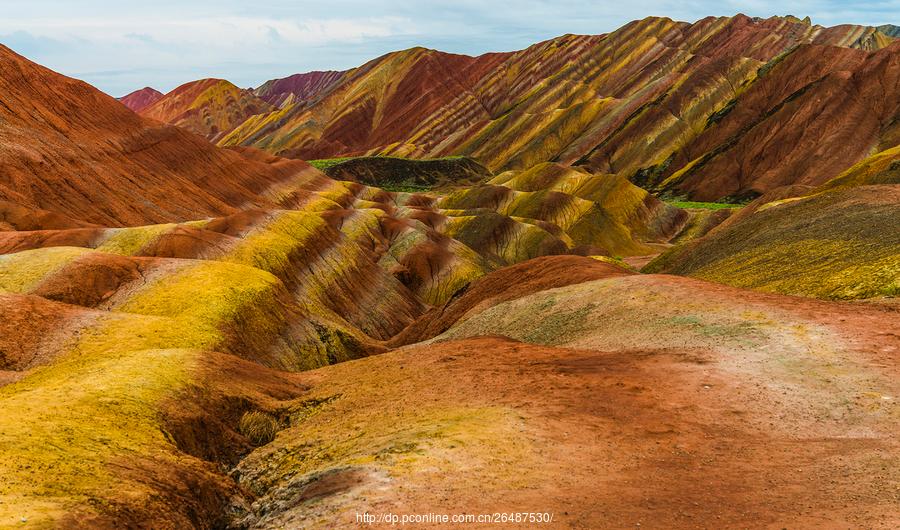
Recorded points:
(630, 400)
(136, 388)
(838, 244)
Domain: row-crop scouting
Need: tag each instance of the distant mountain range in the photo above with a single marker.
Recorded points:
(682, 108)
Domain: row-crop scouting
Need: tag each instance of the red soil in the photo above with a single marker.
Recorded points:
(92, 279)
(32, 331)
(16, 217)
(81, 155)
(813, 115)
(430, 79)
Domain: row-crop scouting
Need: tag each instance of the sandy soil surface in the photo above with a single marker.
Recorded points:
(766, 411)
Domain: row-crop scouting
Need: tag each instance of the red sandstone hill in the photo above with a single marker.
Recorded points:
(140, 99)
(69, 149)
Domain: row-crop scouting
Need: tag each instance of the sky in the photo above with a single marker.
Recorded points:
(122, 46)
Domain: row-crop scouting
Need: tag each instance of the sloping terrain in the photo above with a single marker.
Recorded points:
(135, 359)
(140, 99)
(616, 375)
(620, 401)
(890, 30)
(604, 212)
(208, 107)
(73, 151)
(109, 330)
(840, 104)
(880, 168)
(724, 107)
(365, 110)
(105, 343)
(840, 244)
(297, 88)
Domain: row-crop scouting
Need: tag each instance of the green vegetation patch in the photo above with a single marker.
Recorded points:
(406, 187)
(259, 427)
(687, 205)
(325, 163)
(406, 175)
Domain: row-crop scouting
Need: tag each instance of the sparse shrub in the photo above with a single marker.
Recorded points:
(260, 428)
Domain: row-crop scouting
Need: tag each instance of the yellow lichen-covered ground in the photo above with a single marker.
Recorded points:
(836, 244)
(604, 211)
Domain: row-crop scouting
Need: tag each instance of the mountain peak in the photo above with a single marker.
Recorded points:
(141, 99)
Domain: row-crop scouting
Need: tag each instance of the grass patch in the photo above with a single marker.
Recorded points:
(405, 188)
(325, 163)
(704, 205)
(260, 428)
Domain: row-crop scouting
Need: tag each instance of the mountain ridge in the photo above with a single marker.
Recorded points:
(75, 151)
(574, 99)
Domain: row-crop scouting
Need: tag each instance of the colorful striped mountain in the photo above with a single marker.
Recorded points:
(442, 311)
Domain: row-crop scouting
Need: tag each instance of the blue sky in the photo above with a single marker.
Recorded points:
(121, 46)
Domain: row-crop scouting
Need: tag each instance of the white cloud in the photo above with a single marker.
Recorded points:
(223, 32)
(121, 46)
